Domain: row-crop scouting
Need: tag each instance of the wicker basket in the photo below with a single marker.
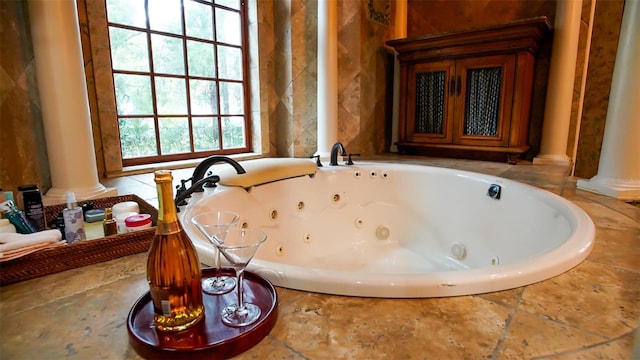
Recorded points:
(50, 261)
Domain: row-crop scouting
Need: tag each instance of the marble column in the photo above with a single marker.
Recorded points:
(562, 70)
(55, 34)
(400, 32)
(327, 76)
(619, 166)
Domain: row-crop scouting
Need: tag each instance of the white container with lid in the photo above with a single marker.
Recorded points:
(125, 207)
(138, 222)
(120, 218)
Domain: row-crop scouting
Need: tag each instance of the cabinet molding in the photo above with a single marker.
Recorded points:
(468, 92)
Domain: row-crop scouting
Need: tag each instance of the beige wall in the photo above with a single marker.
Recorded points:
(288, 79)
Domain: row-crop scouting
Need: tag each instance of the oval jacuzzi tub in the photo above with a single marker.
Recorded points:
(400, 231)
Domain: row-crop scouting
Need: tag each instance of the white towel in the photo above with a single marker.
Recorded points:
(13, 245)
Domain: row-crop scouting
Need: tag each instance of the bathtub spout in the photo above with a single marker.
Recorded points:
(334, 153)
(200, 170)
(198, 179)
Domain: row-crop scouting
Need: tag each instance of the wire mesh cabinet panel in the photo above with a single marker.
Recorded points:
(485, 98)
(429, 106)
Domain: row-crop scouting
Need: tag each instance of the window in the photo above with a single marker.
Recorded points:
(180, 79)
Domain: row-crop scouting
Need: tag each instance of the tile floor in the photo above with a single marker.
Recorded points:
(589, 312)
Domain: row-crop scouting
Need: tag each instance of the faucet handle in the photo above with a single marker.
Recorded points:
(317, 157)
(349, 161)
(180, 189)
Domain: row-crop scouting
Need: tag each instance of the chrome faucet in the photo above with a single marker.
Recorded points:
(334, 153)
(198, 179)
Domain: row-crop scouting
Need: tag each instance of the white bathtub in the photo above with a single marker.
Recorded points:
(402, 231)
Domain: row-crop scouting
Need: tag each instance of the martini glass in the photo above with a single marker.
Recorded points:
(210, 223)
(238, 248)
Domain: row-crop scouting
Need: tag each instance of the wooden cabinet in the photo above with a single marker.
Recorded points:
(469, 92)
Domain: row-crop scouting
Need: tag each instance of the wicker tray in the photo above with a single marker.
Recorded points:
(50, 261)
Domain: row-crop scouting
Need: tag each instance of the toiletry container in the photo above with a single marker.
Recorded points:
(125, 207)
(138, 222)
(109, 224)
(32, 205)
(73, 220)
(11, 212)
(94, 215)
(120, 224)
(123, 210)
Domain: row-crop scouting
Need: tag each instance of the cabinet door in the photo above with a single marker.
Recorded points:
(430, 102)
(484, 96)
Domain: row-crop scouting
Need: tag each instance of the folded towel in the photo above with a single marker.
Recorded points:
(13, 245)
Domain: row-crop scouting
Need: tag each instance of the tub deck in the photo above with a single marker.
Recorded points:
(589, 312)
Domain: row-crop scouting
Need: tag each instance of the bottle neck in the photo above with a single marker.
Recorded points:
(167, 214)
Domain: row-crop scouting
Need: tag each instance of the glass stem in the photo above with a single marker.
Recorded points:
(218, 269)
(239, 276)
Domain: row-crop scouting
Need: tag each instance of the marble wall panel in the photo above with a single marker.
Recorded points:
(23, 155)
(604, 44)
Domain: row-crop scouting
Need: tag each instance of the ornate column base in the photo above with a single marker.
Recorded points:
(58, 196)
(617, 188)
(550, 159)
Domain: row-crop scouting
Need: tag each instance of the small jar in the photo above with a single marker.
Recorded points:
(125, 207)
(138, 222)
(120, 221)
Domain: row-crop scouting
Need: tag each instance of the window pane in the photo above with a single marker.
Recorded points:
(174, 135)
(137, 137)
(129, 49)
(167, 55)
(203, 97)
(164, 15)
(133, 94)
(199, 20)
(228, 27)
(127, 12)
(205, 134)
(171, 96)
(230, 63)
(202, 59)
(235, 4)
(231, 98)
(233, 132)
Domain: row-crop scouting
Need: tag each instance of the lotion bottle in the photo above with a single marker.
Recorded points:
(73, 220)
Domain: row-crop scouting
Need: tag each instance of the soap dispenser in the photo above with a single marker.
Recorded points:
(73, 220)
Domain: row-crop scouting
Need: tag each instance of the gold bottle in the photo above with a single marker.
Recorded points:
(173, 268)
(109, 224)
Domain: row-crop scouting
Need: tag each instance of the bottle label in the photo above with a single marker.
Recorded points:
(73, 225)
(166, 307)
